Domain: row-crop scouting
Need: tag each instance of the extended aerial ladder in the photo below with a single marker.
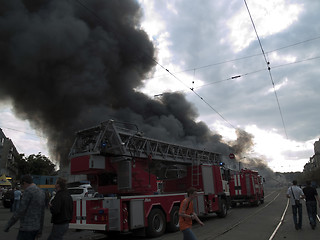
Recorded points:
(117, 140)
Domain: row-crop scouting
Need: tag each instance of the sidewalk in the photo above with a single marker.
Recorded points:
(72, 234)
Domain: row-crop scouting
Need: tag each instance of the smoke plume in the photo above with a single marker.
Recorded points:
(67, 65)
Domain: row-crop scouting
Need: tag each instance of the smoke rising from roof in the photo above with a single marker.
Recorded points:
(67, 66)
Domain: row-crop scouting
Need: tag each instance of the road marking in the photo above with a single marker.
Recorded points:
(281, 221)
(270, 194)
(244, 219)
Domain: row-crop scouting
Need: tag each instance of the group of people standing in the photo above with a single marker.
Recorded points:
(32, 209)
(309, 193)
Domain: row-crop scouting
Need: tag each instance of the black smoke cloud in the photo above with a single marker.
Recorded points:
(67, 65)
(243, 144)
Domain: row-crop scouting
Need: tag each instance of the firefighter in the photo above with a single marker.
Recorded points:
(187, 214)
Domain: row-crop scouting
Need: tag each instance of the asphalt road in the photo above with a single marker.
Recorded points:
(246, 222)
(254, 223)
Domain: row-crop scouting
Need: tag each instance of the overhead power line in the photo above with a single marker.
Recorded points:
(238, 59)
(16, 130)
(256, 71)
(269, 69)
(198, 95)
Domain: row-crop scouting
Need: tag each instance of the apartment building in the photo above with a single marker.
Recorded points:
(314, 161)
(8, 156)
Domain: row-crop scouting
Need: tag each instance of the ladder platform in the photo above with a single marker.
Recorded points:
(123, 140)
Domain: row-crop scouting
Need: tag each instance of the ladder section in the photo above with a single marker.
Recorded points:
(195, 172)
(195, 175)
(111, 139)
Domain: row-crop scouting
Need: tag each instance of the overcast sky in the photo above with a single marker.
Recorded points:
(205, 39)
(212, 48)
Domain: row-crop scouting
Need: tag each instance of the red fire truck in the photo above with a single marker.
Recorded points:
(246, 186)
(142, 180)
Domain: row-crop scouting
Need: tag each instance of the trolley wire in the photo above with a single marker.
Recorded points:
(238, 59)
(197, 94)
(268, 67)
(13, 129)
(256, 71)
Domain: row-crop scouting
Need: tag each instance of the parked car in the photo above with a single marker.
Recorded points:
(84, 190)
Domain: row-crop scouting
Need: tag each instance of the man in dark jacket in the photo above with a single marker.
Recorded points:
(311, 203)
(30, 212)
(61, 209)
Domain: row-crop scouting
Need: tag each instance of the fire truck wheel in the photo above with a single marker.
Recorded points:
(156, 223)
(223, 209)
(173, 225)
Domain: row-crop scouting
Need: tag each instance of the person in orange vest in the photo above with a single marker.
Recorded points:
(187, 214)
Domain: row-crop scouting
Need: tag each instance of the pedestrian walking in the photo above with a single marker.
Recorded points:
(295, 193)
(30, 212)
(312, 197)
(187, 214)
(17, 198)
(61, 208)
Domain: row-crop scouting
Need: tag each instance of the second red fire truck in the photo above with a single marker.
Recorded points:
(246, 187)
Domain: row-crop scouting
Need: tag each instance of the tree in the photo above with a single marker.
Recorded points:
(35, 165)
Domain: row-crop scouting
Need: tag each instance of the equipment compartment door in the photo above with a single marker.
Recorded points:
(208, 181)
(200, 210)
(136, 213)
(124, 175)
(113, 205)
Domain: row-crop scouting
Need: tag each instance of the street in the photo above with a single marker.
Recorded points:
(252, 223)
(245, 222)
